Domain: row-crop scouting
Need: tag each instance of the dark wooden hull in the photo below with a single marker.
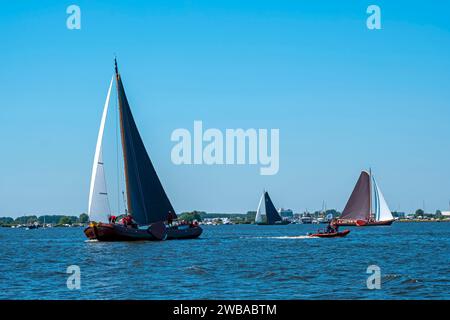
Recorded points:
(331, 235)
(362, 223)
(118, 232)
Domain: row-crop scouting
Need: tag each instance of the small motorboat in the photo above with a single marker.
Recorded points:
(321, 234)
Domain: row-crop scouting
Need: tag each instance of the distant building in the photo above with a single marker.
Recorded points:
(400, 215)
(445, 213)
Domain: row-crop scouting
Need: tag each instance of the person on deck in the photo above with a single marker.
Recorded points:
(128, 221)
(169, 219)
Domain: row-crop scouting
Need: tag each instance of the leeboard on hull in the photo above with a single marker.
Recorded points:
(184, 234)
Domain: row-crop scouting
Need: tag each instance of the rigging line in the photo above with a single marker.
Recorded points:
(117, 152)
(135, 164)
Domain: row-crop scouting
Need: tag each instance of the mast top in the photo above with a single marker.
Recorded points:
(115, 65)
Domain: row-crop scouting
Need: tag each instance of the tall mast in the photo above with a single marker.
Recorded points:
(122, 136)
(370, 193)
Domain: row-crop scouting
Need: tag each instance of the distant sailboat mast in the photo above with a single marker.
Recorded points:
(370, 194)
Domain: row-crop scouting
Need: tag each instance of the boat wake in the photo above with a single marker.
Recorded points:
(91, 241)
(196, 270)
(284, 237)
(292, 237)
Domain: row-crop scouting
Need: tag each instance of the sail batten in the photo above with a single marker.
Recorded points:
(98, 207)
(147, 201)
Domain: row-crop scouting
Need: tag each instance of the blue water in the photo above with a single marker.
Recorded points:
(230, 262)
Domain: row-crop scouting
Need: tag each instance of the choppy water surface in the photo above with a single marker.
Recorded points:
(230, 262)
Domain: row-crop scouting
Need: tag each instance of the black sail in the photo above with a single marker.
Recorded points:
(147, 201)
(271, 212)
(358, 205)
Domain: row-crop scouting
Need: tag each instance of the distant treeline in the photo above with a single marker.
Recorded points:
(242, 218)
(188, 216)
(48, 219)
(201, 215)
(251, 215)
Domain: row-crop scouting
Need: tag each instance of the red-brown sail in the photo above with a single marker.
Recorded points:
(358, 206)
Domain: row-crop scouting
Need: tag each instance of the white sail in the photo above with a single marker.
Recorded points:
(382, 211)
(260, 214)
(99, 208)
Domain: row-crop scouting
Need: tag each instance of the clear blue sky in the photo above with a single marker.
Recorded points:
(344, 98)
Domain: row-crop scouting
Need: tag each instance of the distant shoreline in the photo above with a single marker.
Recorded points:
(421, 220)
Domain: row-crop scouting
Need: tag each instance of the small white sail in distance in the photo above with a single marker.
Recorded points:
(382, 211)
(99, 209)
(261, 210)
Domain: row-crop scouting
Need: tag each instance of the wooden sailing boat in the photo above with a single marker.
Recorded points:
(358, 211)
(266, 213)
(149, 208)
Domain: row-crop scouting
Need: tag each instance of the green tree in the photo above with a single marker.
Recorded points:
(26, 219)
(191, 216)
(6, 221)
(84, 218)
(419, 213)
(250, 216)
(65, 220)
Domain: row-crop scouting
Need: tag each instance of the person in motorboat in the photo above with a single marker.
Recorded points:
(333, 226)
(329, 229)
